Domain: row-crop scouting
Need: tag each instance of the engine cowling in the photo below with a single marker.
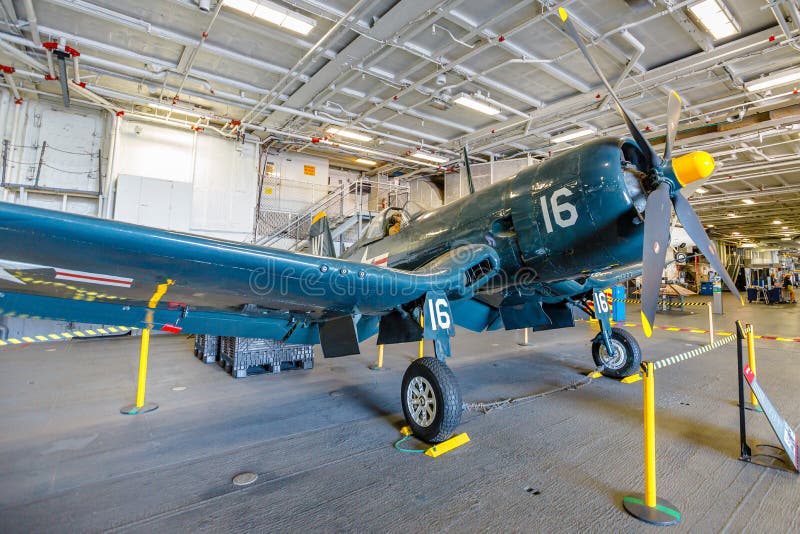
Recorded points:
(578, 213)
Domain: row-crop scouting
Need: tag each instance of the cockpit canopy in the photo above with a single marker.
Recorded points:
(378, 226)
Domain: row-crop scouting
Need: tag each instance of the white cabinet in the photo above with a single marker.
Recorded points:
(153, 202)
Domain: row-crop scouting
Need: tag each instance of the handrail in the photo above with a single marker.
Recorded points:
(297, 220)
(310, 211)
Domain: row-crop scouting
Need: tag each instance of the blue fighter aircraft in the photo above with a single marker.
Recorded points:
(521, 253)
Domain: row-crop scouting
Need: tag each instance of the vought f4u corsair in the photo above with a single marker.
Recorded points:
(519, 254)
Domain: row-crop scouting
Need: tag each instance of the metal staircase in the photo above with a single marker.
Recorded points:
(345, 206)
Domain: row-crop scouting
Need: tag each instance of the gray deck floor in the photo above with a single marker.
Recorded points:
(321, 440)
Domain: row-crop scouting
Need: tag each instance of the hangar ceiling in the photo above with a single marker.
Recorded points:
(395, 72)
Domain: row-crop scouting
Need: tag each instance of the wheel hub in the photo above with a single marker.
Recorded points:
(616, 360)
(421, 401)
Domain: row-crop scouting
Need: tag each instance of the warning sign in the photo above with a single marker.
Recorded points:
(779, 425)
(309, 170)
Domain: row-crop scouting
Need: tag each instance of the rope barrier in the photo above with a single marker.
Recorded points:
(671, 302)
(672, 360)
(486, 407)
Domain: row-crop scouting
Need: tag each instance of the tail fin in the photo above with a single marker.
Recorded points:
(320, 241)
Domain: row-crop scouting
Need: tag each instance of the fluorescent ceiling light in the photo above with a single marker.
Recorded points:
(701, 190)
(749, 245)
(784, 227)
(274, 14)
(350, 135)
(470, 102)
(748, 201)
(735, 233)
(786, 239)
(366, 161)
(776, 221)
(571, 135)
(779, 78)
(428, 156)
(715, 17)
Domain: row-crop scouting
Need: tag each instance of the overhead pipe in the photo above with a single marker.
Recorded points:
(102, 13)
(787, 31)
(187, 69)
(656, 77)
(235, 99)
(296, 68)
(7, 75)
(33, 24)
(50, 67)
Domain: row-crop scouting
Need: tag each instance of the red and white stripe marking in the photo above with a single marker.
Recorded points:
(93, 278)
(381, 260)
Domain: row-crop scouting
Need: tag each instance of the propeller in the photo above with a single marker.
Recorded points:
(673, 117)
(665, 178)
(656, 240)
(650, 155)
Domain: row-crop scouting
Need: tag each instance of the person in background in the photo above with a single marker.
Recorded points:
(788, 286)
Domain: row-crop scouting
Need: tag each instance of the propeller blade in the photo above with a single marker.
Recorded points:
(650, 155)
(657, 213)
(673, 116)
(691, 223)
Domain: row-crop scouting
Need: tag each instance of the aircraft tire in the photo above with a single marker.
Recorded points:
(431, 399)
(626, 363)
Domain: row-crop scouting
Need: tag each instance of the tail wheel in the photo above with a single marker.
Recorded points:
(431, 399)
(626, 358)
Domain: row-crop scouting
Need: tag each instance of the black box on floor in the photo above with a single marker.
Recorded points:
(206, 348)
(240, 355)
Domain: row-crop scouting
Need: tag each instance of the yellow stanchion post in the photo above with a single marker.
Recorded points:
(140, 406)
(524, 337)
(710, 323)
(422, 341)
(648, 507)
(144, 351)
(751, 358)
(379, 365)
(648, 389)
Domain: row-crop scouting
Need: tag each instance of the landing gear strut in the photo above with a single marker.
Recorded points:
(431, 399)
(615, 351)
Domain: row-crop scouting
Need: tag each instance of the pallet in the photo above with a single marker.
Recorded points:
(248, 356)
(206, 348)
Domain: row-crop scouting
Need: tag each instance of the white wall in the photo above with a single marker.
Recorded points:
(71, 160)
(303, 180)
(425, 193)
(223, 174)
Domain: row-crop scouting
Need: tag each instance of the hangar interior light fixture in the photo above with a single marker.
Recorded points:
(714, 16)
(569, 136)
(365, 161)
(748, 201)
(428, 156)
(349, 134)
(773, 80)
(472, 103)
(274, 14)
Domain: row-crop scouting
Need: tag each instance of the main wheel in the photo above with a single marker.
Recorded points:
(431, 400)
(626, 358)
